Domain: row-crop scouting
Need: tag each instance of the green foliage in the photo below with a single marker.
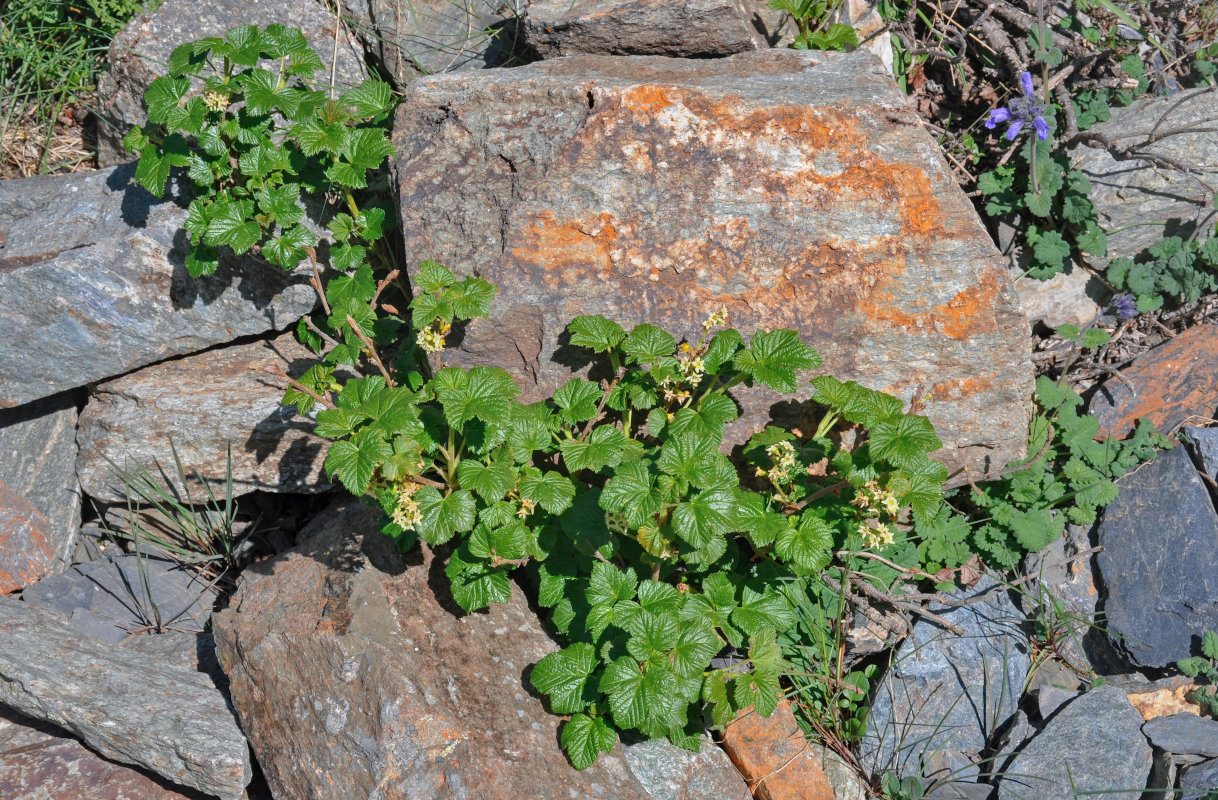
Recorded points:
(1068, 477)
(812, 21)
(50, 54)
(1060, 220)
(1204, 666)
(1170, 270)
(653, 550)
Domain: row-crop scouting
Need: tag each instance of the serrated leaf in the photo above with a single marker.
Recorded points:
(482, 392)
(605, 447)
(288, 249)
(564, 677)
(773, 359)
(471, 298)
(584, 738)
(651, 635)
(647, 344)
(631, 492)
(201, 260)
(1051, 250)
(370, 99)
(703, 517)
(905, 441)
(434, 276)
(491, 481)
(808, 546)
(596, 332)
(752, 517)
(163, 95)
(1209, 645)
(230, 224)
(263, 94)
(550, 490)
(696, 645)
(444, 517)
(644, 700)
(578, 400)
(610, 584)
(475, 584)
(355, 460)
(762, 610)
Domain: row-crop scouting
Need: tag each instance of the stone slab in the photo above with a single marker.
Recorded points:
(38, 461)
(1184, 734)
(201, 406)
(93, 284)
(691, 29)
(793, 188)
(126, 706)
(27, 543)
(775, 758)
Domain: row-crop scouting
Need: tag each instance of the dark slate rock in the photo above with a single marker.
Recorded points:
(126, 706)
(140, 51)
(120, 596)
(1184, 734)
(672, 773)
(1095, 741)
(1159, 566)
(1204, 445)
(1198, 780)
(38, 461)
(946, 694)
(93, 284)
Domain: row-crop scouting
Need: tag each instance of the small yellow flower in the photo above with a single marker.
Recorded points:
(216, 101)
(406, 513)
(431, 338)
(876, 536)
(720, 317)
(890, 504)
(526, 507)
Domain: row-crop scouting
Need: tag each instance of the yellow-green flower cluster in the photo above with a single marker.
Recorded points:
(689, 364)
(783, 456)
(406, 513)
(875, 502)
(717, 319)
(526, 507)
(431, 338)
(216, 101)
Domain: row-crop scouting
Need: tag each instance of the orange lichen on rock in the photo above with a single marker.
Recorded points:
(774, 757)
(27, 546)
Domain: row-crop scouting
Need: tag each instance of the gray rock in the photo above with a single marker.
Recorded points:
(201, 406)
(353, 678)
(945, 695)
(667, 772)
(139, 53)
(41, 762)
(1128, 193)
(117, 597)
(960, 790)
(845, 781)
(692, 29)
(186, 649)
(126, 706)
(1203, 442)
(38, 461)
(1053, 685)
(793, 188)
(1184, 734)
(1199, 780)
(1095, 744)
(427, 37)
(1067, 298)
(93, 284)
(1161, 590)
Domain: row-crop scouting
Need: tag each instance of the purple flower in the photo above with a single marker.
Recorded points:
(1124, 305)
(1020, 110)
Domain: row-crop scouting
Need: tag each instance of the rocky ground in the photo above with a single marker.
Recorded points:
(653, 161)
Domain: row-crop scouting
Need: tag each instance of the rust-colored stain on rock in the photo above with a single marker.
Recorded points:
(774, 758)
(793, 190)
(1175, 381)
(1164, 702)
(27, 545)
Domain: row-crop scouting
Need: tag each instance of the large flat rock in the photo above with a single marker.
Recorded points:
(690, 29)
(794, 188)
(1130, 193)
(38, 461)
(93, 284)
(201, 406)
(27, 542)
(426, 37)
(139, 54)
(354, 677)
(126, 706)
